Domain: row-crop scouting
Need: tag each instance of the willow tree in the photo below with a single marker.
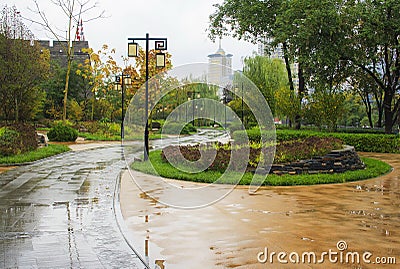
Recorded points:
(269, 75)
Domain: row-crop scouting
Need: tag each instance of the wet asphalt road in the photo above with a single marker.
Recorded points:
(59, 213)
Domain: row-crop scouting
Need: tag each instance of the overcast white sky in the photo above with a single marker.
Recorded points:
(183, 22)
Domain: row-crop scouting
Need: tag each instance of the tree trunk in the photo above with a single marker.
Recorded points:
(92, 112)
(387, 106)
(64, 117)
(301, 94)
(16, 109)
(287, 64)
(369, 114)
(379, 106)
(289, 72)
(368, 108)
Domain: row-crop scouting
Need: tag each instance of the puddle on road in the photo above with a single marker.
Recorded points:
(230, 233)
(62, 206)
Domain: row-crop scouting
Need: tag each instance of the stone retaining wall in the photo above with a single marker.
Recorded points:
(337, 161)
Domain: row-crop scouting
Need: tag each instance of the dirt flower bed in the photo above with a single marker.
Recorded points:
(288, 151)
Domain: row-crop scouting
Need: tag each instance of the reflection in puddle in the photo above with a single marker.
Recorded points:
(56, 213)
(144, 195)
(230, 233)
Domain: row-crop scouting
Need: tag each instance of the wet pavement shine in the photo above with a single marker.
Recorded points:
(63, 212)
(358, 220)
(58, 213)
(66, 212)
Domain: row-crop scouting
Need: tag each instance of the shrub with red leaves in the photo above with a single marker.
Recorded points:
(287, 151)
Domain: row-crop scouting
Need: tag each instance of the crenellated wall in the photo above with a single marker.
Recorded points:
(58, 51)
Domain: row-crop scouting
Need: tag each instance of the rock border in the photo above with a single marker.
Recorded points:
(337, 161)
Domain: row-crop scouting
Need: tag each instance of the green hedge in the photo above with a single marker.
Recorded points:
(176, 129)
(62, 133)
(362, 142)
(16, 139)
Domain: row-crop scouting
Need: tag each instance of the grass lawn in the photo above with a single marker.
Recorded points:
(100, 137)
(35, 155)
(374, 168)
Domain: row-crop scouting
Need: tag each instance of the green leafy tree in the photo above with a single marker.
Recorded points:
(354, 111)
(268, 75)
(374, 48)
(287, 104)
(79, 90)
(335, 40)
(256, 20)
(72, 10)
(138, 75)
(22, 68)
(326, 108)
(98, 71)
(371, 96)
(75, 111)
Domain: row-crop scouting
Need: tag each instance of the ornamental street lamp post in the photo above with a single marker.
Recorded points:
(242, 106)
(160, 44)
(197, 108)
(225, 109)
(187, 109)
(122, 80)
(193, 105)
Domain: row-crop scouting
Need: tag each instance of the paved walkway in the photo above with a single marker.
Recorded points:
(58, 213)
(61, 212)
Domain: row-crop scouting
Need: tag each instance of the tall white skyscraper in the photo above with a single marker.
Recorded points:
(220, 67)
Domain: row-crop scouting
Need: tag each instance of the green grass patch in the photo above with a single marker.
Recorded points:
(43, 129)
(35, 155)
(374, 168)
(100, 137)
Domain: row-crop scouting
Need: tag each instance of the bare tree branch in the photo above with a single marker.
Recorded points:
(73, 10)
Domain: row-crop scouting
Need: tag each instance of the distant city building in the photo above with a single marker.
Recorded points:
(220, 67)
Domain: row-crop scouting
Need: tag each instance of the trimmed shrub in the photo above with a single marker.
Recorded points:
(295, 150)
(62, 133)
(381, 143)
(235, 127)
(175, 128)
(17, 139)
(285, 152)
(8, 141)
(361, 130)
(254, 135)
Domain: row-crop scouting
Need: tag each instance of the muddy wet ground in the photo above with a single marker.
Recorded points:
(364, 216)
